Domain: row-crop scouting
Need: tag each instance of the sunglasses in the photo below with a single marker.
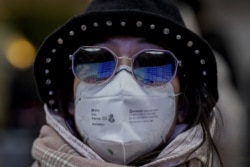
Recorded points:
(150, 67)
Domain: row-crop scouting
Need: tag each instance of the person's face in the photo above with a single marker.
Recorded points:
(127, 47)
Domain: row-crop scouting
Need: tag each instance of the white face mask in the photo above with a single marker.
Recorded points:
(122, 120)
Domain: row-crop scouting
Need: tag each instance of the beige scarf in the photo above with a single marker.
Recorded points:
(57, 147)
(51, 150)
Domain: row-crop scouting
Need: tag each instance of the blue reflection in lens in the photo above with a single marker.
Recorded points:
(149, 75)
(105, 70)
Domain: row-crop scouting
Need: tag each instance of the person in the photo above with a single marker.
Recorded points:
(127, 84)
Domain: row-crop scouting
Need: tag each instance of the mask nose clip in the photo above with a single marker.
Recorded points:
(124, 63)
(125, 68)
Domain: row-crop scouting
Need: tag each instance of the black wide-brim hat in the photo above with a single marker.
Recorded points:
(152, 19)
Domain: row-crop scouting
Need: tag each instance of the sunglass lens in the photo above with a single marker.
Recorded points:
(155, 68)
(93, 64)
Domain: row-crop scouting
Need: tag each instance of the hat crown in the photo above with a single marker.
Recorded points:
(163, 8)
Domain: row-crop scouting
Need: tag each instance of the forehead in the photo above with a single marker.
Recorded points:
(130, 42)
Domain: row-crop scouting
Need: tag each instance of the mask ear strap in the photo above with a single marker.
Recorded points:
(173, 95)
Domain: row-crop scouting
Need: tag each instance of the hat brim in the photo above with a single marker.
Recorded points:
(52, 64)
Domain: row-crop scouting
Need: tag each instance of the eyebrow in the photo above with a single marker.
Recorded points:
(110, 39)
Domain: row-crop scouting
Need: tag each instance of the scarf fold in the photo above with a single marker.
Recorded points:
(56, 146)
(51, 150)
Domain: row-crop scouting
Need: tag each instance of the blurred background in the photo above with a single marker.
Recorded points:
(24, 24)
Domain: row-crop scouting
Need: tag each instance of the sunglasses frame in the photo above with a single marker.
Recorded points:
(119, 67)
